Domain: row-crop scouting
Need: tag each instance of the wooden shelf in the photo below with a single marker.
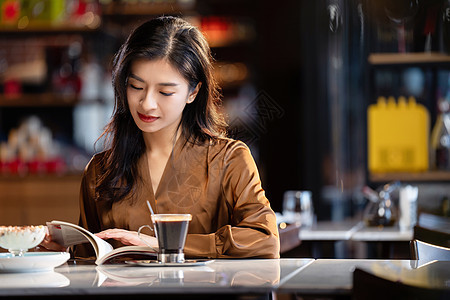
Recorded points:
(410, 176)
(121, 9)
(408, 58)
(34, 200)
(67, 176)
(49, 28)
(37, 100)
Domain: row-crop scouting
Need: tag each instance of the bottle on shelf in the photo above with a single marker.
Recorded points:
(440, 138)
(446, 27)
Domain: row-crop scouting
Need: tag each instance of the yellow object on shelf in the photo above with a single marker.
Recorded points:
(398, 135)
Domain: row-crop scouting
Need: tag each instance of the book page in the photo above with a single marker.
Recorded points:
(127, 250)
(68, 234)
(103, 246)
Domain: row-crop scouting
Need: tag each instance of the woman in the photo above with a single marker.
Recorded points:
(166, 144)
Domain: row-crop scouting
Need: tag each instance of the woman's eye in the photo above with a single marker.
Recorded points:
(135, 87)
(167, 94)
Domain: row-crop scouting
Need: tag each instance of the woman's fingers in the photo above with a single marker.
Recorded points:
(124, 236)
(48, 244)
(127, 237)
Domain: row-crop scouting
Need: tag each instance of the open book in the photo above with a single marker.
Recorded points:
(68, 234)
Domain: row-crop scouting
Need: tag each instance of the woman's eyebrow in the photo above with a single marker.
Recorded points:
(134, 76)
(168, 84)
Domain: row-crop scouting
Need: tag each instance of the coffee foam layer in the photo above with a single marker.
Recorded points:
(171, 217)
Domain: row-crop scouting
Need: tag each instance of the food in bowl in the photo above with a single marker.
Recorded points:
(18, 239)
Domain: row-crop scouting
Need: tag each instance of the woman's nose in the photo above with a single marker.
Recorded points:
(149, 101)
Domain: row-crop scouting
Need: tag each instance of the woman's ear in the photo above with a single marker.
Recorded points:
(194, 93)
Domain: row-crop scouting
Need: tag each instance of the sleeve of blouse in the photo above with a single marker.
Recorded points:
(253, 230)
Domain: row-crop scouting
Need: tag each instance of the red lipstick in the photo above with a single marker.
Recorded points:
(147, 119)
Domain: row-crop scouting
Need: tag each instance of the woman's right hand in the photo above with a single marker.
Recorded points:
(51, 245)
(130, 238)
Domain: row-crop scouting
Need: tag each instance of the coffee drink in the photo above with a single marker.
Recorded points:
(171, 231)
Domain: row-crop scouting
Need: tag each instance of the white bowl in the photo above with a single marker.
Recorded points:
(18, 239)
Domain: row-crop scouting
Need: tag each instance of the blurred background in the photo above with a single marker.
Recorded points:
(297, 78)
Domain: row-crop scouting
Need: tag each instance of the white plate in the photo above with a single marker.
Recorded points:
(32, 261)
(155, 263)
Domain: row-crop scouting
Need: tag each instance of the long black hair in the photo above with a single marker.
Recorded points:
(186, 49)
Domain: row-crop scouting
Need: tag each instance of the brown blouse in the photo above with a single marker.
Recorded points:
(216, 182)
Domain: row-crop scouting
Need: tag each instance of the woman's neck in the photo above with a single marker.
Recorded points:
(159, 142)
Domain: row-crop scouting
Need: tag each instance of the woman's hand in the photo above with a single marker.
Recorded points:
(49, 244)
(127, 237)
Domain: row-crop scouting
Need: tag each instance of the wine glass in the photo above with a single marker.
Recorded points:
(400, 12)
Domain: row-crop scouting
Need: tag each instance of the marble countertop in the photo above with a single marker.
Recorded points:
(244, 276)
(349, 229)
(220, 276)
(334, 276)
(354, 231)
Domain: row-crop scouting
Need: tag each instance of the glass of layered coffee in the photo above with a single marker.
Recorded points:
(171, 231)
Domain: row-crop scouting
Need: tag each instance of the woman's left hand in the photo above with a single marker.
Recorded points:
(49, 244)
(127, 237)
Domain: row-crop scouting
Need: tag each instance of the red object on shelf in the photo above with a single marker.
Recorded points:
(218, 30)
(12, 88)
(4, 167)
(17, 166)
(35, 166)
(10, 11)
(55, 166)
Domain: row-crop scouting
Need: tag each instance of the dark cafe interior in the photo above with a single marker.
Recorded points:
(344, 106)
